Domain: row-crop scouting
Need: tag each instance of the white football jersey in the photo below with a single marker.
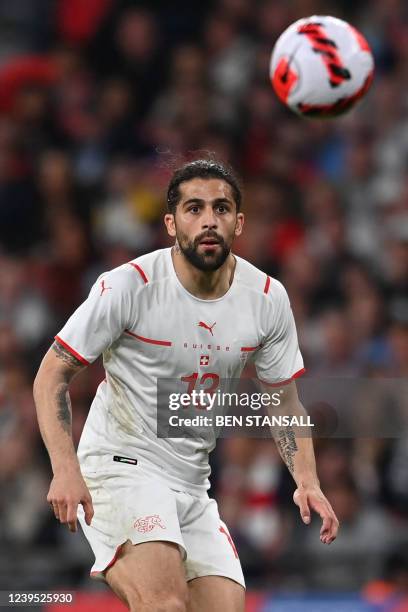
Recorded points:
(148, 326)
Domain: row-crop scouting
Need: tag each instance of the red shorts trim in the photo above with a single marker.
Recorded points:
(267, 283)
(284, 382)
(72, 351)
(111, 562)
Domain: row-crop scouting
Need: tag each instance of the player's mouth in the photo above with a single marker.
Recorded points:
(209, 244)
(209, 241)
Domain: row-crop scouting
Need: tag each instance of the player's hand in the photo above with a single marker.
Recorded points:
(67, 491)
(312, 498)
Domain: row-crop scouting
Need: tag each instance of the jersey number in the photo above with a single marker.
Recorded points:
(208, 376)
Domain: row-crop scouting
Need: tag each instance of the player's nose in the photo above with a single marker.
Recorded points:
(209, 219)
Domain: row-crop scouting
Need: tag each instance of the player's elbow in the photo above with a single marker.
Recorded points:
(41, 381)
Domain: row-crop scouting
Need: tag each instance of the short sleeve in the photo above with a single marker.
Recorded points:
(279, 359)
(102, 318)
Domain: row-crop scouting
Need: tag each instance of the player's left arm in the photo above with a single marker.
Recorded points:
(295, 446)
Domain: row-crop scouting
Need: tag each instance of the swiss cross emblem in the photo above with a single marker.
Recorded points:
(148, 523)
(204, 360)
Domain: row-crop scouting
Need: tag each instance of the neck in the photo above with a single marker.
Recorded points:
(206, 285)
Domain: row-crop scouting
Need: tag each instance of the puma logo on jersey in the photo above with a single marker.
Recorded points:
(148, 523)
(208, 327)
(103, 288)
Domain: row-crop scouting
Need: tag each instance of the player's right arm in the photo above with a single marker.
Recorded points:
(53, 404)
(96, 324)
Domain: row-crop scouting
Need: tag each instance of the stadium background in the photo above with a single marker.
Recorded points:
(97, 100)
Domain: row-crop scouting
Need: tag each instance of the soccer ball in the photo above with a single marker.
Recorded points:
(321, 66)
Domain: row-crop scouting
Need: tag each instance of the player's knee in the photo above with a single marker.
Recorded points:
(160, 602)
(174, 603)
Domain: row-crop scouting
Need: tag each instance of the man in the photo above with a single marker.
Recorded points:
(186, 313)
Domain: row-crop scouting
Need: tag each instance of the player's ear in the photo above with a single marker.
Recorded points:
(170, 224)
(239, 224)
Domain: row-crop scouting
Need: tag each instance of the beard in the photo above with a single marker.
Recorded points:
(206, 262)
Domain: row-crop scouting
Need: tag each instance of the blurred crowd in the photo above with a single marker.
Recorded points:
(99, 102)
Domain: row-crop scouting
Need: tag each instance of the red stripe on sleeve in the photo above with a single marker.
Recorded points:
(72, 351)
(267, 283)
(284, 382)
(139, 269)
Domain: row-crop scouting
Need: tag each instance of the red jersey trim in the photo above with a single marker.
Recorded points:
(284, 382)
(267, 283)
(139, 269)
(148, 340)
(72, 351)
(247, 349)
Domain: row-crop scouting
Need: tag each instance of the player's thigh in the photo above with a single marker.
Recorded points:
(149, 576)
(215, 593)
(209, 545)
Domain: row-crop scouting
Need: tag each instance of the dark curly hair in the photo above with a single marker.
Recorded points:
(206, 169)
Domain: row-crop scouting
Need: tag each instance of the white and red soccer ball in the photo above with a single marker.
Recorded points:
(321, 66)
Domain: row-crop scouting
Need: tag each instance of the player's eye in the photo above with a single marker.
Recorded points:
(222, 208)
(194, 209)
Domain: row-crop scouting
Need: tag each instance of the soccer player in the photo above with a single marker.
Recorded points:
(189, 313)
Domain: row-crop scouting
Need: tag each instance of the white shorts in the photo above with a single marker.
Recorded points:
(130, 504)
